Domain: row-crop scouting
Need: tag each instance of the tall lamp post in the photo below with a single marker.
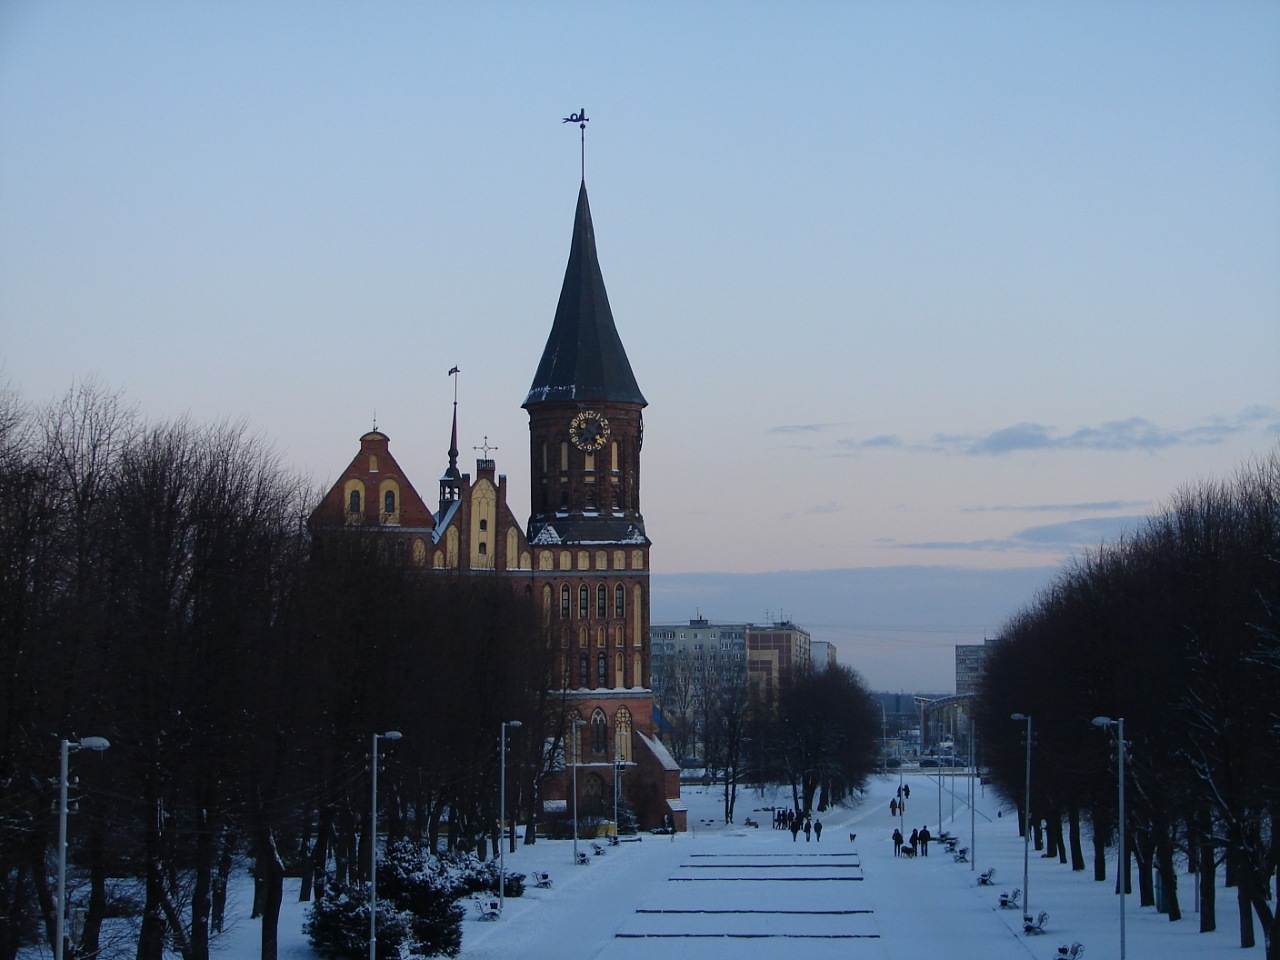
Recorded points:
(502, 816)
(373, 843)
(575, 743)
(85, 743)
(1121, 865)
(1026, 819)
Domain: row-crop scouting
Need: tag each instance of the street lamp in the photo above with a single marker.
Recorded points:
(1026, 819)
(85, 743)
(373, 844)
(502, 816)
(1121, 864)
(618, 766)
(575, 743)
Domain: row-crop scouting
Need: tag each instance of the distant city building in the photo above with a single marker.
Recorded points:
(823, 654)
(769, 655)
(971, 659)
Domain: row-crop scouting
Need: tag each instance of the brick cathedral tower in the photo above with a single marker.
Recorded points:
(590, 551)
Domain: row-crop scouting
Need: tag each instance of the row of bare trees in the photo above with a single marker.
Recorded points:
(818, 738)
(158, 588)
(1175, 628)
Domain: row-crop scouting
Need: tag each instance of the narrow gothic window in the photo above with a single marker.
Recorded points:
(389, 502)
(584, 606)
(564, 602)
(619, 601)
(602, 601)
(583, 675)
(599, 731)
(483, 548)
(601, 666)
(484, 524)
(353, 505)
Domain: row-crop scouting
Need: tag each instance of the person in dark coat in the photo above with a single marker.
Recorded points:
(906, 791)
(897, 842)
(915, 837)
(893, 807)
(817, 830)
(808, 829)
(795, 829)
(925, 837)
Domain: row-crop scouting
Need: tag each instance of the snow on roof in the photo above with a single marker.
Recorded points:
(659, 751)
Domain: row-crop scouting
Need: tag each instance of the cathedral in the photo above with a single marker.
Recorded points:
(583, 555)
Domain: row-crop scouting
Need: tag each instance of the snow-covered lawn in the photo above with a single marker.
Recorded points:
(754, 893)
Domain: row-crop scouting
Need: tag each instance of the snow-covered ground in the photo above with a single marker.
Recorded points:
(720, 892)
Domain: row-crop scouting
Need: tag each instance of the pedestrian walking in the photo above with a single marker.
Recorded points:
(893, 807)
(817, 830)
(915, 837)
(925, 837)
(795, 830)
(897, 842)
(808, 829)
(906, 791)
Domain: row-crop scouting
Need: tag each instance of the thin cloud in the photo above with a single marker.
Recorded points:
(1051, 538)
(802, 427)
(1062, 507)
(1133, 433)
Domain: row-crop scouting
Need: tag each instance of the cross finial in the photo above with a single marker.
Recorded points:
(485, 447)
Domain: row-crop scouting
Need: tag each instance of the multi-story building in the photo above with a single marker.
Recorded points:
(971, 661)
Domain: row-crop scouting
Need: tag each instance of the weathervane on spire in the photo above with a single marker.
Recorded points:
(581, 119)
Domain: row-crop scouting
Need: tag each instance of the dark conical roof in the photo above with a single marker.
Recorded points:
(584, 358)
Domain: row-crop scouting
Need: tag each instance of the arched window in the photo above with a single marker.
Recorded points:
(389, 502)
(564, 602)
(599, 731)
(592, 799)
(602, 601)
(619, 601)
(484, 524)
(584, 601)
(601, 668)
(353, 503)
(482, 548)
(583, 670)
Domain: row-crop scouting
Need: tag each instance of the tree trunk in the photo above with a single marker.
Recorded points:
(1077, 846)
(1208, 877)
(1168, 876)
(1099, 849)
(201, 894)
(91, 937)
(151, 935)
(218, 904)
(271, 871)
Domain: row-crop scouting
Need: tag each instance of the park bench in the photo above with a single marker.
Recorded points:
(597, 849)
(1035, 926)
(1073, 952)
(986, 876)
(582, 859)
(1009, 901)
(961, 855)
(543, 880)
(488, 907)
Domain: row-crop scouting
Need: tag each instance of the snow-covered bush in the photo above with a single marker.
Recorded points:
(338, 925)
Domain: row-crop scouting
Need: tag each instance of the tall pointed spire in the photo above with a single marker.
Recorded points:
(584, 359)
(451, 482)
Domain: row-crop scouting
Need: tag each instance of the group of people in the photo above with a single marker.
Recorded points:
(795, 822)
(918, 841)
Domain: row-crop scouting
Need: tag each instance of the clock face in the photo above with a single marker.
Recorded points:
(589, 430)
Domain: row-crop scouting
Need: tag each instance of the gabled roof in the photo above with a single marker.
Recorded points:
(584, 359)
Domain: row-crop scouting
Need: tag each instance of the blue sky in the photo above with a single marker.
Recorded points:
(905, 284)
